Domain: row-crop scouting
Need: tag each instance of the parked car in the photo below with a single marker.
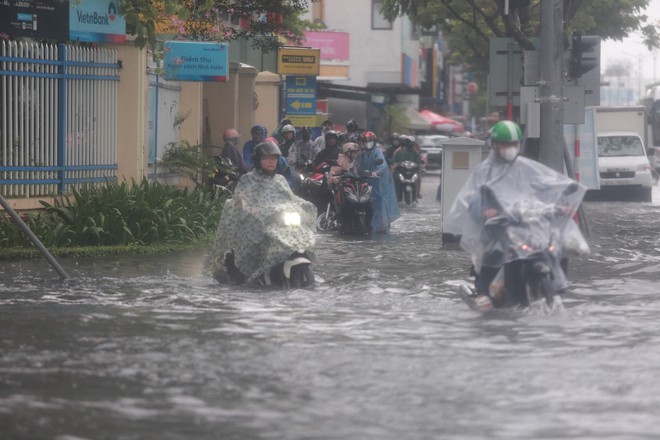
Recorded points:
(431, 145)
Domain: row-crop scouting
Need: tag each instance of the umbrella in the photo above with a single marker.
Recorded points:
(416, 121)
(442, 123)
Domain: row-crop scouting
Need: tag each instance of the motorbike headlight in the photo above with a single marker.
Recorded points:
(292, 219)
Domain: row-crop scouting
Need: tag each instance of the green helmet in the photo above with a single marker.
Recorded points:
(506, 131)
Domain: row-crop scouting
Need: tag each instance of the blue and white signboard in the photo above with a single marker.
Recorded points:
(300, 95)
(194, 61)
(96, 21)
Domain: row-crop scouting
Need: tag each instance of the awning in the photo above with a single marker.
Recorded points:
(442, 123)
(416, 121)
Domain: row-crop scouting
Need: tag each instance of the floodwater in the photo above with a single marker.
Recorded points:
(384, 348)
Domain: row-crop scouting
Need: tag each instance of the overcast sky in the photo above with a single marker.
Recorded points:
(632, 52)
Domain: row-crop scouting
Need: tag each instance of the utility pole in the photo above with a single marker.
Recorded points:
(551, 89)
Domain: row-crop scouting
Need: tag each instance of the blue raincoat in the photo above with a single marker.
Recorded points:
(248, 148)
(386, 208)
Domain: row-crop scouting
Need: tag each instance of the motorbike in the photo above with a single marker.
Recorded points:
(226, 177)
(406, 176)
(352, 207)
(312, 184)
(531, 237)
(283, 231)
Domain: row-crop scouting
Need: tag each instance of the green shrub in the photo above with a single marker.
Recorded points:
(120, 214)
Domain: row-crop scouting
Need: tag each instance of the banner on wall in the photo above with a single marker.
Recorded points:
(194, 61)
(96, 21)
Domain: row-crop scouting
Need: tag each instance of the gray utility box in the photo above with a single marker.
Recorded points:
(459, 157)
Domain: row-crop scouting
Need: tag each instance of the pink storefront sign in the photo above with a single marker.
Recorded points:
(333, 45)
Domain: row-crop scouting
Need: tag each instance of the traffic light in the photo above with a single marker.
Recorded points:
(585, 54)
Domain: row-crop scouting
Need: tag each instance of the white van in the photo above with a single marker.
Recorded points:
(623, 165)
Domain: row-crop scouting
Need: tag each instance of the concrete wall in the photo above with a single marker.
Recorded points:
(375, 54)
(132, 117)
(191, 103)
(267, 89)
(230, 104)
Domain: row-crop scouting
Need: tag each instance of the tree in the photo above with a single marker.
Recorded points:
(261, 21)
(468, 25)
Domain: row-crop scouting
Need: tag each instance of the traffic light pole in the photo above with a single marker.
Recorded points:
(551, 89)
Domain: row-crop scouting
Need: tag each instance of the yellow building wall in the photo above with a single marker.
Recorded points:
(132, 104)
(267, 95)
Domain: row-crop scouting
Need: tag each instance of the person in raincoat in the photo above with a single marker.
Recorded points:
(252, 235)
(258, 133)
(499, 185)
(371, 159)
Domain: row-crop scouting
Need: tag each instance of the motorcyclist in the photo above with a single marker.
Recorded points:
(408, 152)
(331, 150)
(302, 151)
(258, 133)
(288, 133)
(345, 161)
(243, 250)
(277, 133)
(494, 187)
(352, 133)
(371, 159)
(230, 150)
(395, 142)
(283, 167)
(326, 126)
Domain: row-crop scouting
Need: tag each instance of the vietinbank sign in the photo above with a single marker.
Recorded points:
(96, 21)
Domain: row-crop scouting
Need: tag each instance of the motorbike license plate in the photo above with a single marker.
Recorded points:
(408, 188)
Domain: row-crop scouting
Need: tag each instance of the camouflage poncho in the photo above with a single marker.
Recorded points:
(252, 226)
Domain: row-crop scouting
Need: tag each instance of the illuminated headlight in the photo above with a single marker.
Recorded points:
(292, 219)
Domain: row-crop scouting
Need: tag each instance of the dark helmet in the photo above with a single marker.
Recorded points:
(407, 141)
(264, 149)
(331, 133)
(352, 125)
(305, 130)
(256, 129)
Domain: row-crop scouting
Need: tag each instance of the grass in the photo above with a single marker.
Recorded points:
(117, 217)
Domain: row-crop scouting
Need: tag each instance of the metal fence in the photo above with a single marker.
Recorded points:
(58, 117)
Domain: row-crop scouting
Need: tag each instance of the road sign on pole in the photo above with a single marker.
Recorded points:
(300, 95)
(298, 61)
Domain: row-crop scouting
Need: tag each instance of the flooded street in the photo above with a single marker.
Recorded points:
(145, 347)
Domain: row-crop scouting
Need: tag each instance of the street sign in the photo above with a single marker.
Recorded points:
(196, 61)
(298, 61)
(504, 73)
(309, 120)
(301, 95)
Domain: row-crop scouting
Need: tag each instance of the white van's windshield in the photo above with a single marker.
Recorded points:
(615, 146)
